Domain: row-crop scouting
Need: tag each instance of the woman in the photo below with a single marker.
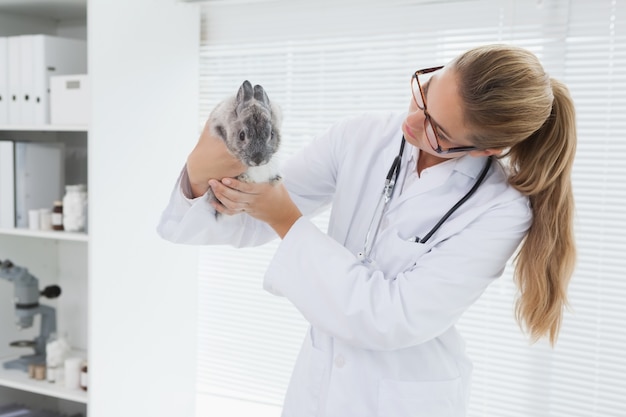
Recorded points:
(382, 340)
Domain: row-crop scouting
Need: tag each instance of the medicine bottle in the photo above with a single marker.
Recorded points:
(51, 360)
(40, 371)
(75, 208)
(57, 216)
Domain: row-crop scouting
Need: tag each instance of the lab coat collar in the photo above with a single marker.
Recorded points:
(466, 164)
(436, 176)
(470, 165)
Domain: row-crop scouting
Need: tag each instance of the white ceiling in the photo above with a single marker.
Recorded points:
(55, 9)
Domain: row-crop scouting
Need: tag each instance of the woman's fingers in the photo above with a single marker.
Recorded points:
(244, 187)
(267, 202)
(220, 208)
(235, 196)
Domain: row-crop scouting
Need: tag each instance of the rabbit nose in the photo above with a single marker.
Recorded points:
(257, 158)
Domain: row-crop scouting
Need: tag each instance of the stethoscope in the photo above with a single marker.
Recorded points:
(383, 201)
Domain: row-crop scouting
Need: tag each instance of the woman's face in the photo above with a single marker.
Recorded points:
(446, 113)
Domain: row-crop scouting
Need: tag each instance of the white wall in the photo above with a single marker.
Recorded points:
(143, 63)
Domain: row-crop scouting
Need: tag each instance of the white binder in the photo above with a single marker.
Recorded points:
(54, 56)
(4, 81)
(39, 177)
(37, 58)
(27, 79)
(14, 80)
(7, 185)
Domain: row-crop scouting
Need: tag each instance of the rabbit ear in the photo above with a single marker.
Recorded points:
(245, 92)
(221, 131)
(259, 94)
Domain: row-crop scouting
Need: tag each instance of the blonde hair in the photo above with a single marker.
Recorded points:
(512, 104)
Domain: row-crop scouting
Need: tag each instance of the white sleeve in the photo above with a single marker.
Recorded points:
(361, 306)
(193, 221)
(309, 176)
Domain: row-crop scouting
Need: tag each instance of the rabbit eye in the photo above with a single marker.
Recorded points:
(242, 135)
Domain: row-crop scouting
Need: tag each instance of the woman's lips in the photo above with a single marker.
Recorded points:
(408, 130)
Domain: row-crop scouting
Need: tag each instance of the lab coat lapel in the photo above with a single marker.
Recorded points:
(429, 180)
(436, 177)
(356, 213)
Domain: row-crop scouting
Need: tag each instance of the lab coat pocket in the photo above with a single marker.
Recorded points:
(395, 253)
(420, 398)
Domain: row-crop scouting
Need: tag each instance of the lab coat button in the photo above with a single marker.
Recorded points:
(340, 361)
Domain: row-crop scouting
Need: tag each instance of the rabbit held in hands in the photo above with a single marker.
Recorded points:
(249, 124)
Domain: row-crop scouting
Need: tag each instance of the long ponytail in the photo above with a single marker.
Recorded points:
(512, 104)
(541, 169)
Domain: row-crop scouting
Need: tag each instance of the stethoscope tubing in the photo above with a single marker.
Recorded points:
(459, 203)
(390, 183)
(383, 201)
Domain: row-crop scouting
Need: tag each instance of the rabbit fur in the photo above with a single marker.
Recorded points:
(249, 125)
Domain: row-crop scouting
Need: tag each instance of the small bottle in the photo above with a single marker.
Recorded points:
(31, 370)
(84, 377)
(40, 371)
(57, 216)
(75, 208)
(45, 219)
(72, 373)
(51, 357)
(51, 373)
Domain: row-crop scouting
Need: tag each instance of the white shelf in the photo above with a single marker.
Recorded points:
(20, 380)
(41, 234)
(44, 128)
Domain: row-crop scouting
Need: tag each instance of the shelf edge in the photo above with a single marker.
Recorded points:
(44, 128)
(40, 234)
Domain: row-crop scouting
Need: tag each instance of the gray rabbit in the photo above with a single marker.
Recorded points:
(249, 124)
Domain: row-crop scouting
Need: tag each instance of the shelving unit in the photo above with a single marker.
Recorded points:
(117, 301)
(54, 257)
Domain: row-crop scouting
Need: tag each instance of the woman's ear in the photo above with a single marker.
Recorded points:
(486, 152)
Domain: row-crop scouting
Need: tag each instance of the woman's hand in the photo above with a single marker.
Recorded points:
(267, 202)
(210, 159)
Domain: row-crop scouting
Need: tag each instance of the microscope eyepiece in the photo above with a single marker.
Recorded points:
(51, 291)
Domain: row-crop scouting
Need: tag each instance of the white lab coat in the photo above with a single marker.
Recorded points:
(382, 341)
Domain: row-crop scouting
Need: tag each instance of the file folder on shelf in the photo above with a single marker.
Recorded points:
(26, 87)
(33, 59)
(7, 185)
(54, 56)
(4, 80)
(39, 177)
(15, 116)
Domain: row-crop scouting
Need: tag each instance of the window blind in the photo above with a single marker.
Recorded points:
(321, 62)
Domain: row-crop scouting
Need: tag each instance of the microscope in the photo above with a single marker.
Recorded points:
(26, 290)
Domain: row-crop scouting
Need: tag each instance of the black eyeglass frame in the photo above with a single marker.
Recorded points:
(428, 120)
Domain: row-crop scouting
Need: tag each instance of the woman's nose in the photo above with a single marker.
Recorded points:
(415, 116)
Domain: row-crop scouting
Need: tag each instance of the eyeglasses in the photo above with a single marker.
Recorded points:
(429, 127)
